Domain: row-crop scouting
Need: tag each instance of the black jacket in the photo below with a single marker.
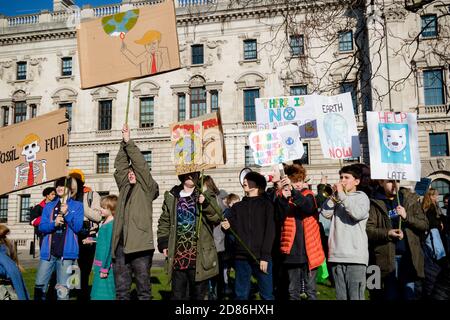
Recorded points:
(253, 221)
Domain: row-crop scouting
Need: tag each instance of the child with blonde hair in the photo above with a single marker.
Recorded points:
(103, 287)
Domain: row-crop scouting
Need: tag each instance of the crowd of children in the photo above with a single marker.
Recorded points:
(284, 235)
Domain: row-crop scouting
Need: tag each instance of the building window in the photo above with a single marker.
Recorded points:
(68, 107)
(21, 70)
(4, 209)
(25, 208)
(33, 110)
(352, 159)
(350, 87)
(198, 102)
(146, 112)
(297, 45)
(439, 144)
(305, 158)
(105, 115)
(346, 41)
(429, 26)
(181, 107)
(148, 158)
(20, 111)
(298, 90)
(5, 116)
(66, 66)
(249, 104)
(197, 54)
(249, 160)
(443, 187)
(250, 50)
(102, 162)
(433, 87)
(214, 101)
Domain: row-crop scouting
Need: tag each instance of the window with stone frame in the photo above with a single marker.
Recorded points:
(66, 66)
(249, 104)
(433, 87)
(24, 208)
(181, 107)
(5, 111)
(429, 26)
(345, 41)
(4, 209)
(249, 160)
(102, 163)
(33, 110)
(105, 115)
(20, 111)
(148, 158)
(250, 49)
(146, 112)
(21, 70)
(197, 54)
(198, 102)
(68, 106)
(439, 144)
(297, 45)
(214, 100)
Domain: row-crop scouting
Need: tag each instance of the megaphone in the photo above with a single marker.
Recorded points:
(242, 175)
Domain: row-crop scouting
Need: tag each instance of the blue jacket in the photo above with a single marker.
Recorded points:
(74, 222)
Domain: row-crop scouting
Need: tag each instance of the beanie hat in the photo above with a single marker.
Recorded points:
(78, 174)
(258, 179)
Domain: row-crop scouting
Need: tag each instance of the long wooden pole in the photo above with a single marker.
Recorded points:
(128, 102)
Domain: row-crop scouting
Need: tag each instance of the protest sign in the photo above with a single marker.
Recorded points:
(198, 143)
(336, 125)
(422, 186)
(128, 45)
(274, 112)
(34, 151)
(393, 146)
(276, 145)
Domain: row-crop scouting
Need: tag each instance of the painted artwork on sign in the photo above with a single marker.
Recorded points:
(393, 146)
(274, 112)
(276, 145)
(198, 143)
(336, 126)
(128, 45)
(34, 151)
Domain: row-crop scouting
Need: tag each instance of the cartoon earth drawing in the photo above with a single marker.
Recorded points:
(120, 23)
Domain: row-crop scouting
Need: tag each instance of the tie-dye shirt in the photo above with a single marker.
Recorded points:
(186, 245)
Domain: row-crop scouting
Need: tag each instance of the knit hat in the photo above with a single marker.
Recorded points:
(258, 179)
(77, 174)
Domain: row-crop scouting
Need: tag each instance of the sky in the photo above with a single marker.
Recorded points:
(20, 7)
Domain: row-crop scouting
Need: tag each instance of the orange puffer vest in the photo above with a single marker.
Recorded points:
(313, 243)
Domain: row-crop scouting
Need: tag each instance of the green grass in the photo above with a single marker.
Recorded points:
(161, 287)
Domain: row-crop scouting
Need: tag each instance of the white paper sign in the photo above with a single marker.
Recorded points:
(273, 112)
(393, 146)
(336, 125)
(276, 145)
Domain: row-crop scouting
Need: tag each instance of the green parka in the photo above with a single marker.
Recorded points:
(206, 264)
(133, 216)
(381, 247)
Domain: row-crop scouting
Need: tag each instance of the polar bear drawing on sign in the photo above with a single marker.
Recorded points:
(394, 143)
(394, 140)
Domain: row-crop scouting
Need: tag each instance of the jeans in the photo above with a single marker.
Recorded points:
(184, 286)
(45, 271)
(244, 271)
(350, 281)
(400, 283)
(299, 274)
(125, 265)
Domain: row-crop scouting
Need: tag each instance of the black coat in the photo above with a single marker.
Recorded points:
(253, 221)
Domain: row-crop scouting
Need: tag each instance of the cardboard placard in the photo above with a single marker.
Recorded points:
(128, 45)
(393, 146)
(34, 151)
(198, 143)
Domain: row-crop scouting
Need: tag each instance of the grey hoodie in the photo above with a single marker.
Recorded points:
(347, 241)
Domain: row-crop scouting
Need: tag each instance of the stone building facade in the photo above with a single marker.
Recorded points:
(230, 54)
